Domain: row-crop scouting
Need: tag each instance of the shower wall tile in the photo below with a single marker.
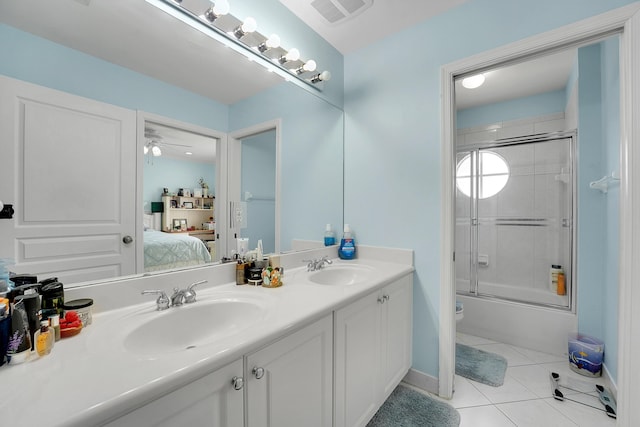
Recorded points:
(515, 131)
(516, 199)
(549, 126)
(514, 256)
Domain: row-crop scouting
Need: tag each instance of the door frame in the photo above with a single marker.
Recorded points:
(221, 176)
(234, 156)
(627, 20)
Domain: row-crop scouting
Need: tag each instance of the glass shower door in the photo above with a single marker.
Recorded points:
(518, 204)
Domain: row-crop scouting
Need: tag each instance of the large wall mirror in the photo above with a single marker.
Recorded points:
(183, 92)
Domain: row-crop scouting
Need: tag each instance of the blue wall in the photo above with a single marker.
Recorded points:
(36, 60)
(392, 128)
(164, 172)
(529, 106)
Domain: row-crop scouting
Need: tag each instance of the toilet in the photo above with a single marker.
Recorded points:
(459, 311)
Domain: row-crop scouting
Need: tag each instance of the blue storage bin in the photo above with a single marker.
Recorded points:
(585, 355)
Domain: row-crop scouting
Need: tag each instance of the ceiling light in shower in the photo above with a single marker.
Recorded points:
(473, 82)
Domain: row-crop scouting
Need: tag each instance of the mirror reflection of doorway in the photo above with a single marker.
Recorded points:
(258, 188)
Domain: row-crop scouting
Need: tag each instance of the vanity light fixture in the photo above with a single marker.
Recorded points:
(153, 147)
(473, 82)
(220, 25)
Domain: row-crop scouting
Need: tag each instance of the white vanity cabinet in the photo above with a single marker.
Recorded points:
(215, 400)
(373, 344)
(289, 382)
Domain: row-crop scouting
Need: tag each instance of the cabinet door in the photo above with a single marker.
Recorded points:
(357, 361)
(292, 384)
(210, 401)
(396, 333)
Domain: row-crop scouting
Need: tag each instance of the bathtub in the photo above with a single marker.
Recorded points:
(538, 328)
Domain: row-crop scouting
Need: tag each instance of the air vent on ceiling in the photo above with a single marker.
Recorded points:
(336, 11)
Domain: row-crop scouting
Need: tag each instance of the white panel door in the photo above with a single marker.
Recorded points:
(68, 166)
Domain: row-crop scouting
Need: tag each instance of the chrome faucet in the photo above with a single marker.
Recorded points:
(163, 302)
(179, 297)
(317, 264)
(185, 296)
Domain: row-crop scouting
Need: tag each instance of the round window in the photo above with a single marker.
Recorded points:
(492, 170)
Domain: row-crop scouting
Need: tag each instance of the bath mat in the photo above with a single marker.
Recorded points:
(479, 365)
(409, 408)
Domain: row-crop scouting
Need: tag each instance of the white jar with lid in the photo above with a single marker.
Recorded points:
(84, 308)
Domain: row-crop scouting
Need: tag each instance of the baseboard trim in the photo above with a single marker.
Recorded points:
(422, 381)
(609, 382)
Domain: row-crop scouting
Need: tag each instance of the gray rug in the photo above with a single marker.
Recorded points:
(409, 408)
(481, 366)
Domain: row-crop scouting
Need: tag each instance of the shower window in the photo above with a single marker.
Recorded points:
(493, 173)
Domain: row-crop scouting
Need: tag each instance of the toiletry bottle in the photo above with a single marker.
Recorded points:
(240, 272)
(44, 339)
(54, 324)
(562, 288)
(347, 248)
(329, 236)
(19, 346)
(553, 277)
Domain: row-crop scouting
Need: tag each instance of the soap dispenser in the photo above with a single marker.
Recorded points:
(329, 236)
(347, 249)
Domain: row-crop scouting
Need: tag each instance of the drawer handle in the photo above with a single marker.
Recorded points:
(386, 297)
(257, 372)
(381, 300)
(237, 382)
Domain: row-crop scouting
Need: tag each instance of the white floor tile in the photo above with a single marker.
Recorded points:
(472, 340)
(535, 413)
(581, 414)
(540, 357)
(525, 399)
(483, 416)
(534, 377)
(466, 395)
(511, 391)
(514, 358)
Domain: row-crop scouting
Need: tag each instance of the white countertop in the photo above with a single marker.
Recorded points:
(91, 378)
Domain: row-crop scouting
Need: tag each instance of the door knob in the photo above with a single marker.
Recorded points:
(257, 372)
(127, 240)
(237, 382)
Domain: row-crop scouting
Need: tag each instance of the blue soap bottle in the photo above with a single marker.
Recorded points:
(347, 249)
(329, 236)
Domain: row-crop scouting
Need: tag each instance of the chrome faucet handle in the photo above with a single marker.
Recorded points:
(325, 260)
(190, 293)
(311, 264)
(163, 302)
(178, 297)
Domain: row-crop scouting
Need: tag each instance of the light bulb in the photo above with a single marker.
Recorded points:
(249, 25)
(292, 55)
(273, 41)
(146, 149)
(322, 77)
(220, 7)
(310, 65)
(156, 151)
(473, 81)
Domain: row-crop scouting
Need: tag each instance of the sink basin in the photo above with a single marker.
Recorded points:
(341, 275)
(192, 325)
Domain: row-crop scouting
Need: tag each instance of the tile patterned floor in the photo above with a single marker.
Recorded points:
(524, 400)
